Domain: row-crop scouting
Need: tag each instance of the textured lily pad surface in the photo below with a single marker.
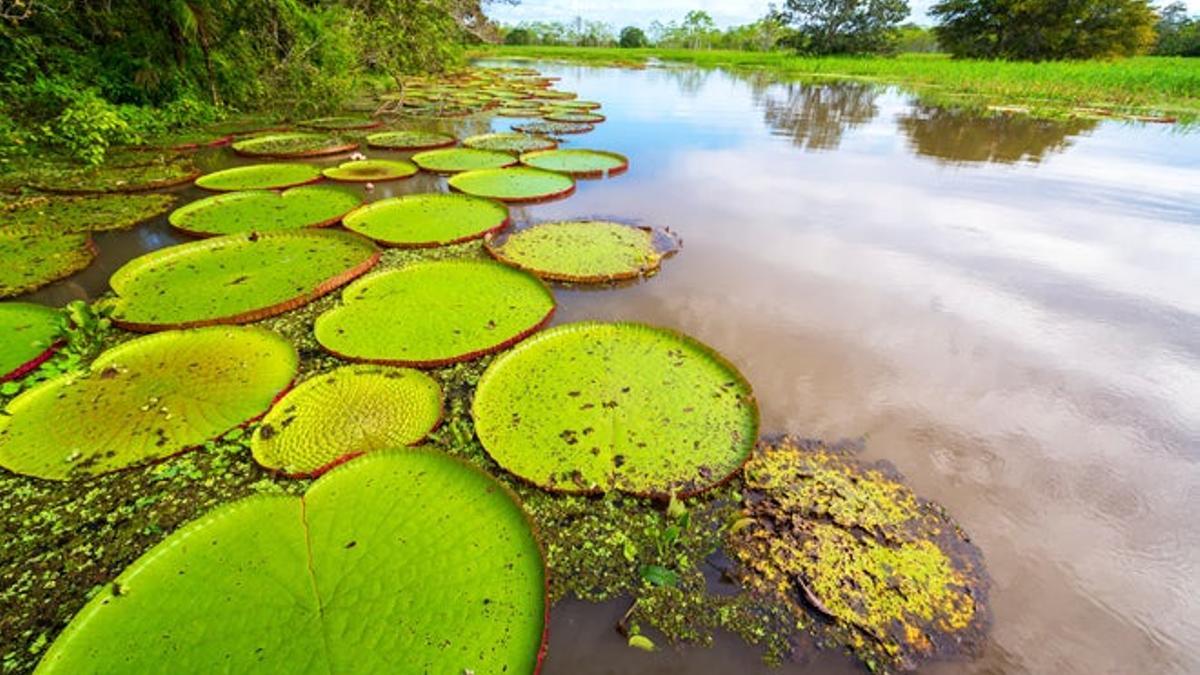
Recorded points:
(260, 177)
(581, 163)
(336, 123)
(518, 184)
(28, 333)
(593, 407)
(146, 399)
(293, 144)
(406, 561)
(30, 261)
(574, 116)
(510, 142)
(455, 160)
(266, 211)
(423, 220)
(545, 128)
(81, 214)
(236, 278)
(409, 140)
(344, 413)
(371, 170)
(134, 178)
(434, 313)
(581, 251)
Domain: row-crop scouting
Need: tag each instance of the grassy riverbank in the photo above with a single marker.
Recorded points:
(1154, 86)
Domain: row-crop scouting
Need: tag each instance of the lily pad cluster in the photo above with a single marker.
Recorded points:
(265, 211)
(589, 251)
(29, 334)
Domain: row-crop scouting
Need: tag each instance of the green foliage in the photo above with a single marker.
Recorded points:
(633, 37)
(1177, 33)
(844, 26)
(518, 36)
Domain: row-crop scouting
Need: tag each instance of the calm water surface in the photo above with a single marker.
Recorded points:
(1008, 310)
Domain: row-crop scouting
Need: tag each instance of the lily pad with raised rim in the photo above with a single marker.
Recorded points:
(545, 128)
(513, 143)
(409, 140)
(236, 278)
(266, 210)
(587, 251)
(456, 160)
(574, 116)
(92, 213)
(144, 400)
(292, 145)
(371, 171)
(344, 413)
(29, 334)
(30, 261)
(593, 407)
(118, 179)
(579, 163)
(260, 177)
(425, 220)
(341, 123)
(517, 184)
(435, 313)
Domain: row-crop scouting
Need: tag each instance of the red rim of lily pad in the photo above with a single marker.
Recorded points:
(575, 117)
(665, 243)
(33, 364)
(597, 173)
(448, 142)
(319, 152)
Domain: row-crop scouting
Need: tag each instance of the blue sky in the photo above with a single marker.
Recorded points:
(641, 13)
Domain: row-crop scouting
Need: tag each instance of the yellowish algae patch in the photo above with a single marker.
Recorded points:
(895, 580)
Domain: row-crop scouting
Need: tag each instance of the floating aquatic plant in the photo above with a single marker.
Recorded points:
(456, 160)
(545, 128)
(593, 407)
(435, 313)
(345, 413)
(578, 163)
(371, 171)
(587, 251)
(265, 210)
(518, 184)
(30, 261)
(143, 177)
(402, 561)
(236, 278)
(341, 123)
(409, 140)
(146, 399)
(513, 143)
(29, 334)
(424, 220)
(92, 213)
(562, 115)
(293, 144)
(260, 177)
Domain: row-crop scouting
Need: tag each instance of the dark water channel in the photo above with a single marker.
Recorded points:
(1008, 310)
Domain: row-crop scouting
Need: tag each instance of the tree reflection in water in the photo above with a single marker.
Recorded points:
(962, 136)
(817, 115)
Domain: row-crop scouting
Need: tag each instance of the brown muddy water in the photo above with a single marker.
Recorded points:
(1007, 309)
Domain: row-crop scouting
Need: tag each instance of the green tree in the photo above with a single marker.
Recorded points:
(699, 28)
(518, 36)
(633, 37)
(1039, 30)
(1177, 34)
(915, 38)
(845, 26)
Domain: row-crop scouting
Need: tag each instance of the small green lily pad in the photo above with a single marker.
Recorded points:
(593, 407)
(455, 160)
(93, 213)
(518, 184)
(236, 278)
(265, 210)
(29, 334)
(146, 399)
(371, 171)
(425, 220)
(30, 261)
(260, 177)
(409, 140)
(545, 128)
(293, 144)
(435, 313)
(587, 251)
(513, 143)
(341, 123)
(345, 413)
(403, 561)
(578, 163)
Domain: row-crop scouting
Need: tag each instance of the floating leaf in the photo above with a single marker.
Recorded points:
(519, 184)
(30, 261)
(371, 170)
(146, 399)
(405, 561)
(587, 251)
(657, 575)
(578, 163)
(265, 210)
(293, 144)
(409, 140)
(344, 413)
(462, 159)
(341, 123)
(260, 177)
(81, 214)
(236, 278)
(553, 128)
(641, 642)
(510, 143)
(424, 220)
(561, 115)
(435, 313)
(29, 334)
(591, 407)
(118, 179)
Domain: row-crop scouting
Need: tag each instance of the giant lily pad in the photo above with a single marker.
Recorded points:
(435, 313)
(29, 334)
(341, 123)
(81, 214)
(146, 399)
(409, 140)
(513, 143)
(584, 251)
(30, 261)
(592, 407)
(519, 184)
(574, 116)
(293, 144)
(578, 163)
(425, 220)
(260, 177)
(265, 210)
(545, 128)
(118, 179)
(236, 278)
(370, 170)
(455, 160)
(345, 413)
(405, 561)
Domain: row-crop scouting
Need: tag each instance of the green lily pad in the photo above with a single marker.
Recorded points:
(29, 334)
(371, 170)
(510, 142)
(518, 112)
(345, 413)
(92, 213)
(425, 220)
(545, 128)
(265, 210)
(260, 177)
(30, 261)
(578, 163)
(144, 400)
(519, 184)
(592, 407)
(404, 561)
(588, 251)
(409, 140)
(341, 123)
(575, 105)
(293, 144)
(117, 179)
(454, 160)
(435, 313)
(237, 278)
(558, 95)
(562, 115)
